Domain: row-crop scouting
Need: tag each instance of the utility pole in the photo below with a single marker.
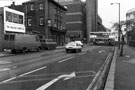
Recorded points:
(119, 25)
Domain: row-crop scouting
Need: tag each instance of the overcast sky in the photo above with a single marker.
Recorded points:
(108, 13)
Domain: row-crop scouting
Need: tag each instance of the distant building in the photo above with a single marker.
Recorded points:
(130, 20)
(75, 19)
(100, 26)
(130, 27)
(45, 18)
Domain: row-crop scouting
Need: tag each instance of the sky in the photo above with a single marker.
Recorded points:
(109, 13)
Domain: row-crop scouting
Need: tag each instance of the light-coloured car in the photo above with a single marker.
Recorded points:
(73, 47)
(79, 42)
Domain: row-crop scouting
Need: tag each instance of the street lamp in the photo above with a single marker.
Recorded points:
(119, 25)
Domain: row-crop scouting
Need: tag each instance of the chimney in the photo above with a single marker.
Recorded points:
(13, 3)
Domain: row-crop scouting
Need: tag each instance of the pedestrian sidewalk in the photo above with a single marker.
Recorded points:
(122, 71)
(5, 53)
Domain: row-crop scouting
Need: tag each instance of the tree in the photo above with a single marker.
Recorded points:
(116, 25)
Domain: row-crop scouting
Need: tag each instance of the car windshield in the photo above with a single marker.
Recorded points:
(71, 44)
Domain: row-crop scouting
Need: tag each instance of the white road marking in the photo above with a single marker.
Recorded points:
(82, 53)
(93, 73)
(65, 77)
(23, 75)
(65, 59)
(8, 80)
(32, 71)
(4, 69)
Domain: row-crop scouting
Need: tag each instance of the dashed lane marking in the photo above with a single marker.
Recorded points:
(82, 53)
(4, 69)
(65, 59)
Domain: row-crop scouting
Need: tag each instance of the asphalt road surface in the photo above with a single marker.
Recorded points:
(53, 70)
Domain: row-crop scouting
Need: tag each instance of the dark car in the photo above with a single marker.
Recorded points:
(48, 44)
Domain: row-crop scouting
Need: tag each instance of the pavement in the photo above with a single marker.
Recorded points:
(5, 53)
(122, 70)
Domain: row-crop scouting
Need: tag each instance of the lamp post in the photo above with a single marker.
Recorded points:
(119, 25)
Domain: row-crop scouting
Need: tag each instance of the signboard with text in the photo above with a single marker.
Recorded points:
(13, 20)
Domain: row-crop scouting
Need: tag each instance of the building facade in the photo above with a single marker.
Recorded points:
(75, 19)
(91, 16)
(130, 20)
(130, 27)
(45, 18)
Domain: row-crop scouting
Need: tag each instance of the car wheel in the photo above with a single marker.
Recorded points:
(38, 49)
(76, 50)
(13, 51)
(24, 50)
(67, 51)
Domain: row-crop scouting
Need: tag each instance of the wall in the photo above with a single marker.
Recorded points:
(1, 30)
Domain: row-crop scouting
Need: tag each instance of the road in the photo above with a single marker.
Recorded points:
(52, 70)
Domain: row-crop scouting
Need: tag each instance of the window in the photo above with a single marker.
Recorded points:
(20, 19)
(41, 6)
(8, 16)
(29, 21)
(55, 23)
(41, 21)
(9, 37)
(55, 11)
(12, 37)
(31, 7)
(6, 37)
(15, 18)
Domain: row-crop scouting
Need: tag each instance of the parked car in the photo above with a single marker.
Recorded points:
(48, 44)
(73, 47)
(79, 42)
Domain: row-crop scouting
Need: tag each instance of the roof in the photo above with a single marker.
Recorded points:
(52, 1)
(131, 10)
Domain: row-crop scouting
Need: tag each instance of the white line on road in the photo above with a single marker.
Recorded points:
(32, 71)
(65, 59)
(82, 53)
(4, 69)
(65, 77)
(86, 74)
(23, 74)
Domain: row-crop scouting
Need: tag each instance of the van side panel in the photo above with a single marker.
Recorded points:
(22, 41)
(26, 41)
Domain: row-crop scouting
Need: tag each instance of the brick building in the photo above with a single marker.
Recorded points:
(75, 18)
(45, 18)
(77, 23)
